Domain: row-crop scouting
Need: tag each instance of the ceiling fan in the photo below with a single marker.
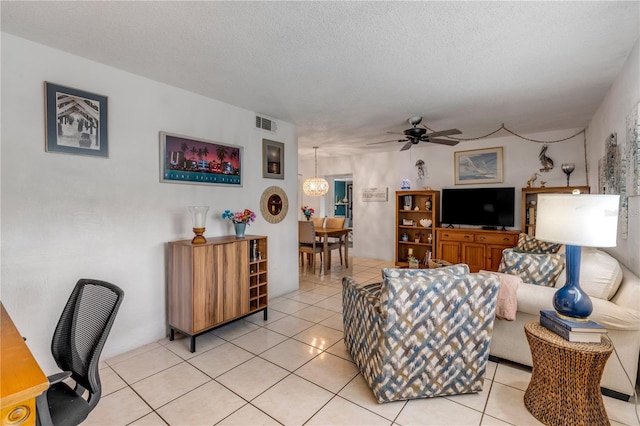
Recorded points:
(416, 134)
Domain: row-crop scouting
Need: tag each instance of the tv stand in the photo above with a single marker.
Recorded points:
(491, 228)
(478, 248)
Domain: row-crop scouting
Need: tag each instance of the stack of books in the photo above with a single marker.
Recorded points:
(588, 332)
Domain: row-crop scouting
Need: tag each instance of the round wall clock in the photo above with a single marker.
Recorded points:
(274, 204)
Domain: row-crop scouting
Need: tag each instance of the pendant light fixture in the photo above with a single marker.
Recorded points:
(315, 187)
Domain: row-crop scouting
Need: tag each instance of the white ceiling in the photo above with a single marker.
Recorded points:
(348, 72)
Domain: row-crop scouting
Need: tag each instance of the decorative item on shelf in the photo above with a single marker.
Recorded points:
(576, 220)
(543, 183)
(547, 163)
(253, 250)
(427, 204)
(532, 179)
(240, 220)
(410, 252)
(418, 237)
(413, 263)
(315, 187)
(426, 223)
(307, 211)
(568, 168)
(408, 202)
(427, 258)
(429, 239)
(416, 208)
(407, 222)
(405, 237)
(406, 184)
(199, 220)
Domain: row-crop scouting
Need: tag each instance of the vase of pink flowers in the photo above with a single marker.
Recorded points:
(240, 220)
(307, 211)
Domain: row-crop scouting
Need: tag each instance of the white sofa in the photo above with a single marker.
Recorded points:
(620, 315)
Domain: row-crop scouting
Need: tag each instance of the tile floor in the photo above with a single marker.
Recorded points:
(292, 369)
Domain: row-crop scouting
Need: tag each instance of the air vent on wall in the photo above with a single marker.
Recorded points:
(266, 124)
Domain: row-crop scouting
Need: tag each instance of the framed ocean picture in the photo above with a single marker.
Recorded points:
(478, 166)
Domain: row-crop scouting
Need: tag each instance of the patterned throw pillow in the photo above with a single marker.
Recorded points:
(533, 268)
(457, 269)
(530, 244)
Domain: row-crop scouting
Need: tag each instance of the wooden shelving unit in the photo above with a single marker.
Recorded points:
(419, 239)
(529, 204)
(214, 283)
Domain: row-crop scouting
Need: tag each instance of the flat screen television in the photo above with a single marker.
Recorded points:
(487, 207)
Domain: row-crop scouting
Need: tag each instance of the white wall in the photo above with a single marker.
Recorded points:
(65, 217)
(611, 117)
(374, 233)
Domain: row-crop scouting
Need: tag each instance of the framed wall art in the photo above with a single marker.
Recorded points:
(478, 166)
(75, 121)
(272, 159)
(184, 159)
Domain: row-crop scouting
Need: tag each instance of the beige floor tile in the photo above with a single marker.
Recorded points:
(507, 403)
(512, 375)
(358, 392)
(620, 411)
(235, 329)
(491, 370)
(272, 316)
(169, 384)
(276, 300)
(151, 419)
(110, 381)
(326, 290)
(132, 353)
(289, 326)
(334, 303)
(120, 408)
(205, 405)
(477, 401)
(288, 306)
(309, 297)
(291, 354)
(292, 401)
(334, 321)
(314, 314)
(342, 412)
(181, 345)
(259, 341)
(220, 360)
(145, 364)
(319, 336)
(248, 415)
(328, 371)
(440, 411)
(306, 285)
(252, 378)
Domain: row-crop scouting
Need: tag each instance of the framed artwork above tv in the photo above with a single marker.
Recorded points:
(478, 166)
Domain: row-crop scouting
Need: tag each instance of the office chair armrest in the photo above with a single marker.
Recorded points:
(58, 377)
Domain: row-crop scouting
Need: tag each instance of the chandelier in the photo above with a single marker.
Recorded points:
(315, 187)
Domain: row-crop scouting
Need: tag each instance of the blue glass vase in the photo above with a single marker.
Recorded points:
(570, 300)
(240, 227)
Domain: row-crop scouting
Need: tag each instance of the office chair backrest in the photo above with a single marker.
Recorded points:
(83, 329)
(306, 232)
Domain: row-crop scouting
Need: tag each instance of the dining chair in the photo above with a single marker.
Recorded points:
(308, 243)
(336, 242)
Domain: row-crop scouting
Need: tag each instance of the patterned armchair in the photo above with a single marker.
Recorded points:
(421, 333)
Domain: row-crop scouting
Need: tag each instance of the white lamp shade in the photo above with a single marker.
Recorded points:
(589, 220)
(315, 187)
(199, 216)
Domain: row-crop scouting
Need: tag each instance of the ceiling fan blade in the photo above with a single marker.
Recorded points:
(395, 133)
(443, 141)
(445, 133)
(406, 146)
(394, 140)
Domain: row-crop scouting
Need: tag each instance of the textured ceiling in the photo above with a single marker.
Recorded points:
(348, 72)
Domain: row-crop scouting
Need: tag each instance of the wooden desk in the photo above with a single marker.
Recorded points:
(22, 380)
(333, 232)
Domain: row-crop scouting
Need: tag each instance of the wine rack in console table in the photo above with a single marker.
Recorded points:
(214, 283)
(413, 238)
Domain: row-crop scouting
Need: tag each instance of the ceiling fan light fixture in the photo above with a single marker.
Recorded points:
(315, 187)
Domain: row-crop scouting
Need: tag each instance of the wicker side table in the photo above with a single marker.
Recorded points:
(565, 381)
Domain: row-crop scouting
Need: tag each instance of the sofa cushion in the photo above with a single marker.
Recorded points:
(600, 274)
(538, 269)
(457, 269)
(530, 244)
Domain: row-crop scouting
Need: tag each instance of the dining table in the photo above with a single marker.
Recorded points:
(341, 233)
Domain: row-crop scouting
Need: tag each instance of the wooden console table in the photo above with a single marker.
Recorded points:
(22, 380)
(478, 248)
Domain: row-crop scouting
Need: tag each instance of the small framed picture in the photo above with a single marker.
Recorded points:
(184, 159)
(478, 166)
(75, 121)
(272, 159)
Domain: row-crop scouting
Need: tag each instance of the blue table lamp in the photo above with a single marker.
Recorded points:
(576, 220)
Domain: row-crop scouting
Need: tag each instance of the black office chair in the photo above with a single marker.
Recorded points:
(76, 346)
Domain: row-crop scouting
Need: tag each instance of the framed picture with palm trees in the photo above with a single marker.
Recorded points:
(184, 159)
